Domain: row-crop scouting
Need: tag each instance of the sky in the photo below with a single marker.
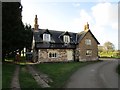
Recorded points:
(71, 16)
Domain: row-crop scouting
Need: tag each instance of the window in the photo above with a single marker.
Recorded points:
(52, 54)
(66, 39)
(88, 52)
(46, 37)
(88, 42)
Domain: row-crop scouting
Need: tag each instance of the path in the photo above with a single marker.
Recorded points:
(37, 77)
(15, 80)
(98, 75)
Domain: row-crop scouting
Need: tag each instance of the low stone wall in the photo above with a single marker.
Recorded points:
(89, 59)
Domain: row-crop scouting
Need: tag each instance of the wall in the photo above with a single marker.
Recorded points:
(43, 55)
(82, 47)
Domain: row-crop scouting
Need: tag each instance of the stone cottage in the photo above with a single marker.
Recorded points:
(55, 46)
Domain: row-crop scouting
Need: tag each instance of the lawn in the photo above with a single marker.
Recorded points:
(118, 69)
(60, 72)
(7, 73)
(26, 79)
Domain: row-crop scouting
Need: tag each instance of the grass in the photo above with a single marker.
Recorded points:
(26, 79)
(60, 72)
(7, 74)
(118, 69)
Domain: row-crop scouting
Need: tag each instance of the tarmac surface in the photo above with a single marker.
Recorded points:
(99, 75)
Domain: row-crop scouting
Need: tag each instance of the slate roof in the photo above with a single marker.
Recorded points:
(57, 38)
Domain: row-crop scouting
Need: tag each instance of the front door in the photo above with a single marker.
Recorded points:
(69, 55)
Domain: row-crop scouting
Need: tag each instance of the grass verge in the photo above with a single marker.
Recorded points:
(26, 79)
(7, 74)
(60, 72)
(118, 69)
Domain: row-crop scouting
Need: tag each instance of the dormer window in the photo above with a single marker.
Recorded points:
(88, 42)
(66, 39)
(46, 37)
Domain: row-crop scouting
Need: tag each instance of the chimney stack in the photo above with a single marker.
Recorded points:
(36, 23)
(86, 27)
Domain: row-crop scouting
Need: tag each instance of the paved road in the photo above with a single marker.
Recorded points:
(98, 75)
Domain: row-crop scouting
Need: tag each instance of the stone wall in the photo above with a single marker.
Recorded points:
(61, 55)
(82, 48)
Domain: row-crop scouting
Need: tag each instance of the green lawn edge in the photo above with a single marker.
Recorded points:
(7, 74)
(26, 79)
(118, 69)
(60, 72)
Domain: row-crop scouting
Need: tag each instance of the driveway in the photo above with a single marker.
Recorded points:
(98, 75)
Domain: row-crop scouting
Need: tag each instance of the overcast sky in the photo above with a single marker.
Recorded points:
(102, 16)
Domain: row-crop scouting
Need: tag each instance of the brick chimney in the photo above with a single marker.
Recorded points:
(86, 27)
(36, 23)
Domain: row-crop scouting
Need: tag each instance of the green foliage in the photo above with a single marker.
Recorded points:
(28, 36)
(100, 48)
(12, 28)
(15, 35)
(7, 74)
(114, 54)
(108, 46)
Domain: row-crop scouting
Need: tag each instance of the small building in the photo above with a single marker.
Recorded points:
(55, 46)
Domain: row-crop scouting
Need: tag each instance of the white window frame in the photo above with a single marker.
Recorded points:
(66, 38)
(53, 55)
(46, 37)
(88, 42)
(88, 52)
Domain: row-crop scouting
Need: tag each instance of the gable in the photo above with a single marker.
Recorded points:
(83, 34)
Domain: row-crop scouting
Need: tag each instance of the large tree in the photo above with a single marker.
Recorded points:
(12, 28)
(28, 36)
(108, 46)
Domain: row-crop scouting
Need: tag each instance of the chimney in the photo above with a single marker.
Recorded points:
(86, 27)
(36, 23)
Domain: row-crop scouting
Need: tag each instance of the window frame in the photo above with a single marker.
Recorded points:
(46, 37)
(88, 52)
(66, 38)
(52, 55)
(88, 42)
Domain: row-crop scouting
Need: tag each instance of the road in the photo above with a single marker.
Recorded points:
(98, 75)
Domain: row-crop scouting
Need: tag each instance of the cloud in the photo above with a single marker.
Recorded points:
(106, 22)
(103, 21)
(105, 13)
(78, 23)
(76, 4)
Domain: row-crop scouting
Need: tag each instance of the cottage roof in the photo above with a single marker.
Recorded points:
(82, 34)
(57, 38)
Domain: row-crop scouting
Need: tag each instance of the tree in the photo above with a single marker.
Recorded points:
(100, 48)
(12, 28)
(28, 36)
(108, 46)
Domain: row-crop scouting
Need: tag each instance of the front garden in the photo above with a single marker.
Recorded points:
(58, 72)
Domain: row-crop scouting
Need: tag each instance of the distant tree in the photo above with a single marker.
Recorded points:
(12, 28)
(100, 48)
(108, 46)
